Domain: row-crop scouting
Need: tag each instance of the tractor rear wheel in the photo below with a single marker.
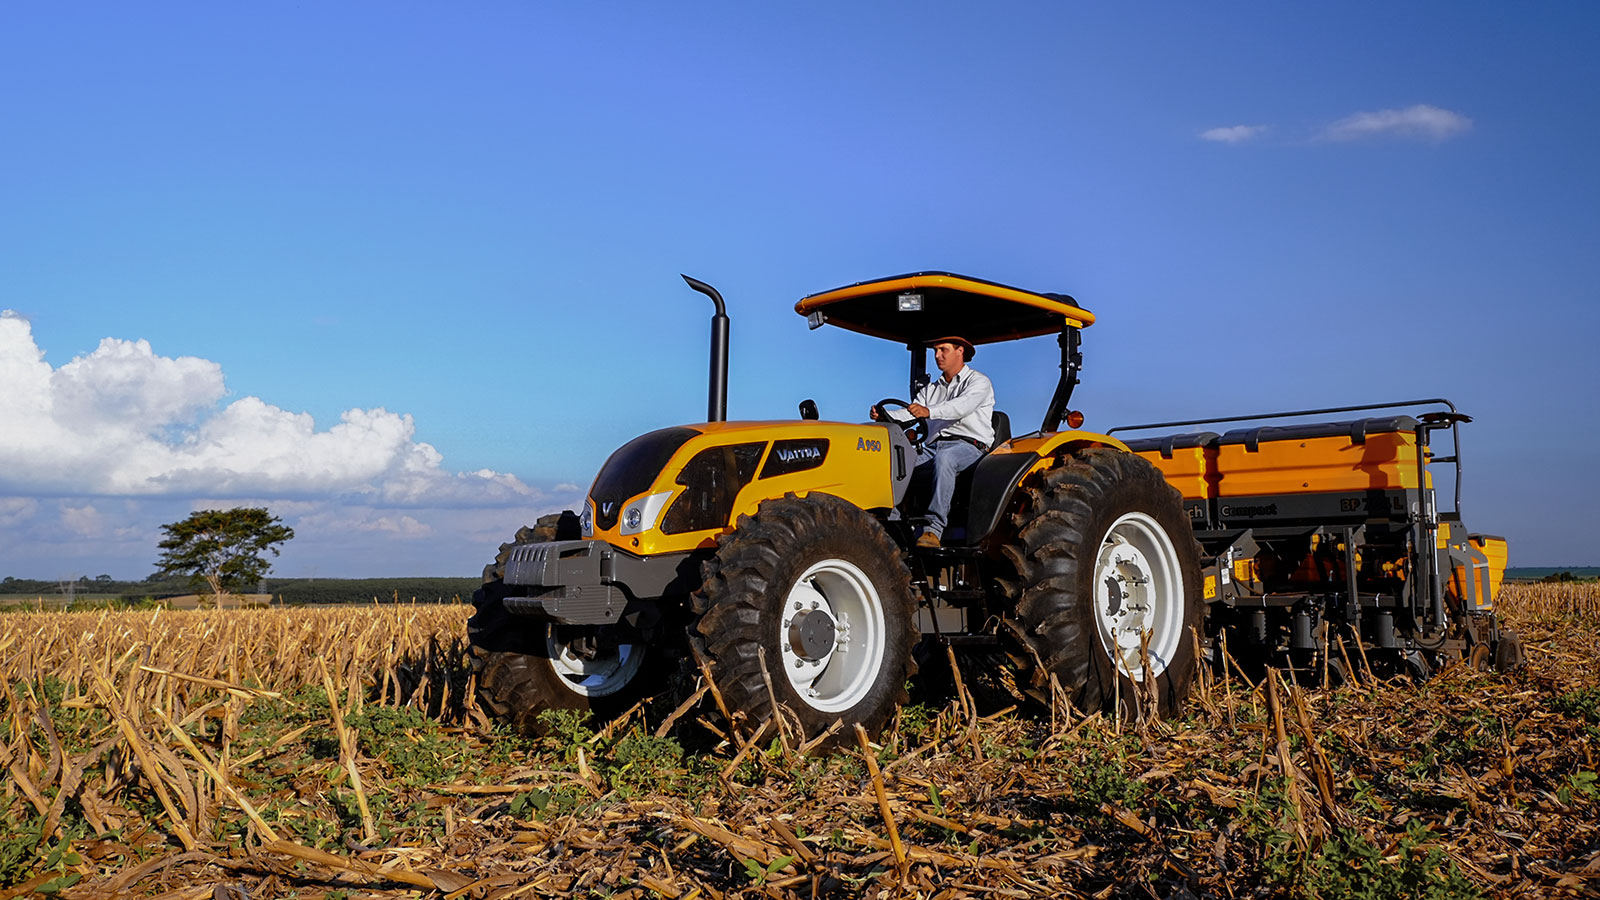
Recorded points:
(525, 666)
(811, 597)
(1109, 581)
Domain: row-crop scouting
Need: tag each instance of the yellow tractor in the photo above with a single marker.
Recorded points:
(783, 554)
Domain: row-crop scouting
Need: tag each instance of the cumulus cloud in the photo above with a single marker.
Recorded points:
(96, 454)
(1419, 122)
(1233, 134)
(124, 421)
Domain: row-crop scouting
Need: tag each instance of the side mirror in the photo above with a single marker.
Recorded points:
(808, 409)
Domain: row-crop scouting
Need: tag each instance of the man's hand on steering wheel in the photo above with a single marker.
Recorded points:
(916, 428)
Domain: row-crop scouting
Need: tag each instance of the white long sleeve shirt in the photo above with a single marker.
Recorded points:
(960, 407)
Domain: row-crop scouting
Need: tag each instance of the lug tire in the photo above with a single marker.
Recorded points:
(1103, 551)
(519, 662)
(794, 560)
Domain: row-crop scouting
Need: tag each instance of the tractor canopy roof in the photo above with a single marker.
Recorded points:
(920, 306)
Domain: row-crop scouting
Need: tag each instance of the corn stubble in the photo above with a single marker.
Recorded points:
(316, 752)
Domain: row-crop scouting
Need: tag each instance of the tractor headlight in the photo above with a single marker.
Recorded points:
(643, 514)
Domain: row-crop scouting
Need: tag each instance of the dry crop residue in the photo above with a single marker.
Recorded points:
(198, 754)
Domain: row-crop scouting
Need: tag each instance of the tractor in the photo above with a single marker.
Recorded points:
(783, 553)
(779, 558)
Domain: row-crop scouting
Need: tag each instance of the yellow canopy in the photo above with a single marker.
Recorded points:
(981, 311)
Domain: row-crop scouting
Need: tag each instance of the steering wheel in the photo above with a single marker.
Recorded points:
(915, 429)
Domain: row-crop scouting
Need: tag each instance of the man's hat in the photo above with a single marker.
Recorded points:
(967, 350)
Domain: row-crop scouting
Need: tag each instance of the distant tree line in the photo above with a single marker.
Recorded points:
(218, 552)
(318, 591)
(1562, 578)
(154, 586)
(291, 591)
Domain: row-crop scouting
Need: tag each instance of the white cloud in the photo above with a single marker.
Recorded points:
(123, 421)
(16, 510)
(95, 454)
(329, 521)
(1421, 122)
(1233, 134)
(124, 385)
(83, 521)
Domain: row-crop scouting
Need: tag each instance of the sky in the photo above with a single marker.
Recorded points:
(406, 273)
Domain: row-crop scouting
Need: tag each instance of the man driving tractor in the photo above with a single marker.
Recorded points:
(959, 408)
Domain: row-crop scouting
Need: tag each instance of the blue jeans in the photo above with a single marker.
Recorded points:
(944, 460)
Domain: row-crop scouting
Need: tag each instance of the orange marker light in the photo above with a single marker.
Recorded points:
(1074, 418)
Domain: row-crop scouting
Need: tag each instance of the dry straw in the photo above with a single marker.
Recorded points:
(138, 754)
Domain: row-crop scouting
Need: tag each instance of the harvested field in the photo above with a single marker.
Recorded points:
(197, 754)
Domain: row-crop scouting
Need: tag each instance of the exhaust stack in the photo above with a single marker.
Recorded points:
(717, 393)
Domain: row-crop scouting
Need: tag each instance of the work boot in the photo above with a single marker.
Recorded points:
(928, 539)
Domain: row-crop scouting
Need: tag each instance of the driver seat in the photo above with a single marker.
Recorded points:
(1002, 428)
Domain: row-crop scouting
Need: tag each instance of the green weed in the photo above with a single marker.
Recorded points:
(24, 852)
(759, 874)
(641, 763)
(414, 746)
(564, 731)
(1269, 824)
(1582, 704)
(1348, 866)
(1579, 784)
(1099, 774)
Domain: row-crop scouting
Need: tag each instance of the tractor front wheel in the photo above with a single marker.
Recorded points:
(581, 669)
(809, 603)
(526, 666)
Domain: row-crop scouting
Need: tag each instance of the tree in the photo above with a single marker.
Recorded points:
(222, 549)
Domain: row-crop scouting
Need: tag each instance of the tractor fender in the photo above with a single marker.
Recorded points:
(996, 477)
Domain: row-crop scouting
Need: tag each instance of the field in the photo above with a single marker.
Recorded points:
(337, 752)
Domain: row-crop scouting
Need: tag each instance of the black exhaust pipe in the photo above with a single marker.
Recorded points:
(717, 395)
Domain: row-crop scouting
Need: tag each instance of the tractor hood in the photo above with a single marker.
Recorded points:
(677, 488)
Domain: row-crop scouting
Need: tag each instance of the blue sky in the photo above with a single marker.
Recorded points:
(406, 273)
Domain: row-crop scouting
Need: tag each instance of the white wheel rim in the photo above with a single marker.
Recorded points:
(836, 678)
(1138, 590)
(607, 673)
